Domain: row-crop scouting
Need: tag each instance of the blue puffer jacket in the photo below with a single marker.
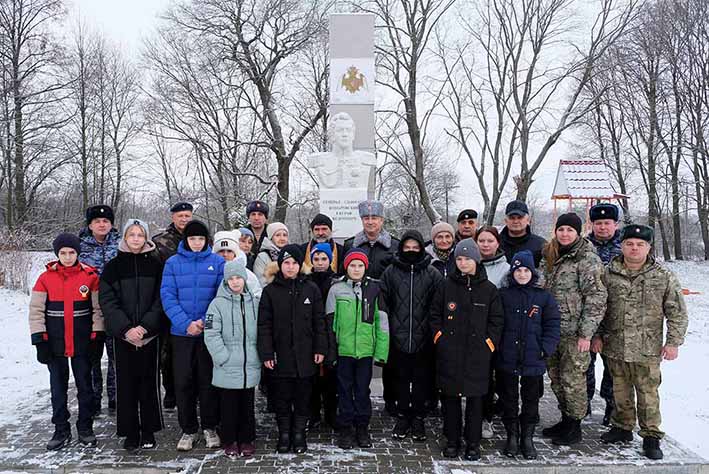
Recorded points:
(531, 331)
(189, 283)
(95, 254)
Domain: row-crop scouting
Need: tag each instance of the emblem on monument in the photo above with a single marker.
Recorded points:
(353, 80)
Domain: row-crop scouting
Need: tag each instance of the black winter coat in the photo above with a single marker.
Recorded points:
(532, 242)
(466, 320)
(531, 331)
(324, 281)
(129, 293)
(407, 290)
(291, 326)
(379, 253)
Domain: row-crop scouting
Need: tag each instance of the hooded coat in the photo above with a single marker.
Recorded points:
(230, 334)
(496, 269)
(466, 320)
(268, 253)
(407, 288)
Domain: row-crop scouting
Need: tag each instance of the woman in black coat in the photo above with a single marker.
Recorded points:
(466, 320)
(129, 295)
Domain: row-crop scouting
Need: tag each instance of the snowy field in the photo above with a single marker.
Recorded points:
(685, 386)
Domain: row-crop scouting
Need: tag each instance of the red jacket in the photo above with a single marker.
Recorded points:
(64, 309)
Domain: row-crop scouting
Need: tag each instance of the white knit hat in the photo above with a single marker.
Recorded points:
(226, 240)
(275, 227)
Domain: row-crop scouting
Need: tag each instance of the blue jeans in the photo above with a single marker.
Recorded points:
(59, 386)
(353, 402)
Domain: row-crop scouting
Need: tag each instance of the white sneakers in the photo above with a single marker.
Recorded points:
(187, 441)
(487, 430)
(212, 439)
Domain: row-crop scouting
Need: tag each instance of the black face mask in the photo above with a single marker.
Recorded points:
(410, 256)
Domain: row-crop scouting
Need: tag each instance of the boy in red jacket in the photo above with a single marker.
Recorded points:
(66, 324)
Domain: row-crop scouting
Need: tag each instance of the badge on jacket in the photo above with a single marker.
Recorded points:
(452, 306)
(84, 290)
(307, 301)
(209, 321)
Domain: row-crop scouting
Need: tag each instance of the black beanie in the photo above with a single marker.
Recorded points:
(321, 219)
(101, 210)
(195, 228)
(570, 219)
(66, 240)
(290, 251)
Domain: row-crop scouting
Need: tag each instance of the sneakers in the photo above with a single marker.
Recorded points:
(363, 438)
(59, 440)
(147, 441)
(87, 438)
(571, 435)
(344, 438)
(418, 429)
(487, 430)
(651, 448)
(232, 449)
(187, 441)
(247, 449)
(211, 438)
(402, 427)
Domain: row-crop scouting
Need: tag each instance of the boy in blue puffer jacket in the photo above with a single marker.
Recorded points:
(189, 283)
(531, 333)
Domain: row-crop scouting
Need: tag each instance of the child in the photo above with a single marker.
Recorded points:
(325, 383)
(246, 244)
(530, 335)
(228, 245)
(362, 332)
(466, 320)
(230, 336)
(67, 325)
(292, 340)
(189, 283)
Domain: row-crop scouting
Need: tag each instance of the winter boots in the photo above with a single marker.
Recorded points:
(363, 438)
(344, 438)
(402, 427)
(651, 448)
(617, 435)
(472, 452)
(300, 444)
(571, 434)
(418, 429)
(556, 429)
(284, 441)
(529, 451)
(87, 437)
(512, 445)
(60, 439)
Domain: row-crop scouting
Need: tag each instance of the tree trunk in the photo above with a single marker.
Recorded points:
(283, 191)
(19, 164)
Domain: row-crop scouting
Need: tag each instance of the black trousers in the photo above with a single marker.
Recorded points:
(97, 376)
(324, 393)
(452, 419)
(530, 388)
(291, 395)
(238, 420)
(192, 370)
(59, 386)
(353, 403)
(138, 388)
(489, 399)
(412, 373)
(606, 382)
(166, 371)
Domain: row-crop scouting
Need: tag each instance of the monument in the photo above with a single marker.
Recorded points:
(346, 174)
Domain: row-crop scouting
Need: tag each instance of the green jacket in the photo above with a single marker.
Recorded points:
(639, 303)
(361, 326)
(576, 281)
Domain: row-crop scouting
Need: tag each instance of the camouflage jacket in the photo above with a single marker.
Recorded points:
(638, 305)
(607, 249)
(576, 283)
(167, 242)
(98, 254)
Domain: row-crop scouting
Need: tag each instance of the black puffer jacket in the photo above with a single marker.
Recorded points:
(129, 292)
(291, 326)
(379, 252)
(466, 322)
(407, 289)
(512, 245)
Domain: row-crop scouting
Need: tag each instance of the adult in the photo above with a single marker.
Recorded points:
(166, 243)
(494, 262)
(380, 247)
(407, 288)
(572, 273)
(467, 224)
(321, 233)
(99, 244)
(493, 257)
(517, 234)
(190, 282)
(129, 295)
(605, 236)
(276, 239)
(257, 214)
(643, 296)
(441, 248)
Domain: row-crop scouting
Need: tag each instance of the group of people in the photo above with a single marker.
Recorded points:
(474, 314)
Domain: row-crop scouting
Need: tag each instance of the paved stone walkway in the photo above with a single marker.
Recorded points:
(22, 449)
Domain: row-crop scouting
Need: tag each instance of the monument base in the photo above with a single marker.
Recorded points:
(342, 207)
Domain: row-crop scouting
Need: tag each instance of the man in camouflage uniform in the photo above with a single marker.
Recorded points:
(573, 274)
(605, 236)
(642, 297)
(166, 243)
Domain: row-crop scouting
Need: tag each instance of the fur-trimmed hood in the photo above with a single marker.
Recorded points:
(272, 270)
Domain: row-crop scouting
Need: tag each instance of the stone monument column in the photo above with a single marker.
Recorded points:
(346, 174)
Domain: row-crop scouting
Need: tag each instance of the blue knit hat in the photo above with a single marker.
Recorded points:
(323, 248)
(523, 258)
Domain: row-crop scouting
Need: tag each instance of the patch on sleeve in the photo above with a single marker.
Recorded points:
(209, 321)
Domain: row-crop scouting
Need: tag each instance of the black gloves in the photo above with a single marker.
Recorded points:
(44, 352)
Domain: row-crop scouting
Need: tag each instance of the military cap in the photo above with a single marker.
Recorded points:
(604, 210)
(466, 214)
(257, 206)
(181, 206)
(637, 231)
(371, 208)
